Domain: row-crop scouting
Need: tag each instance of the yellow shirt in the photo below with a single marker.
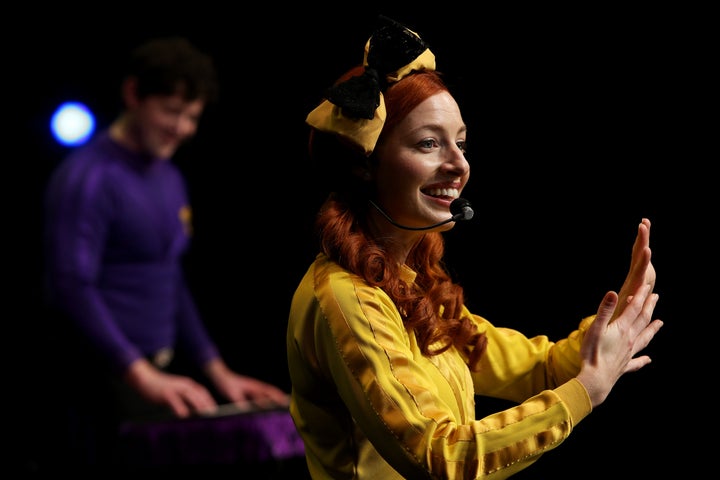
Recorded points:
(369, 405)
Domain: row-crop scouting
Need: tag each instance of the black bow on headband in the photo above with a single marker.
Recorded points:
(391, 47)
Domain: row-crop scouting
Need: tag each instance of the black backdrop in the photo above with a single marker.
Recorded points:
(581, 123)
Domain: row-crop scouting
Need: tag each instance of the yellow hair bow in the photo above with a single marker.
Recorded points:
(355, 109)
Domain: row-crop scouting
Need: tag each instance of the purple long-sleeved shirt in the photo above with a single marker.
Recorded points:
(117, 225)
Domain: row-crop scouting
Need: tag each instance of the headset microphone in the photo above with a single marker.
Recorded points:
(460, 209)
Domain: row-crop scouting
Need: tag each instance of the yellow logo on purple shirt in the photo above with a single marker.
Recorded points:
(185, 216)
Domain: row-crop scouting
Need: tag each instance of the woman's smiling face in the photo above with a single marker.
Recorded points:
(421, 166)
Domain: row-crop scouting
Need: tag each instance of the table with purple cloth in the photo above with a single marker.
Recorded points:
(232, 437)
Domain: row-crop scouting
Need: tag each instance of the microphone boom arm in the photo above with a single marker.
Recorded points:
(460, 208)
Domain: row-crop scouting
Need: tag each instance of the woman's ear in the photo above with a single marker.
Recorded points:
(362, 172)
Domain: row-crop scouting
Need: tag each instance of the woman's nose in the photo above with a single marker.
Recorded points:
(456, 160)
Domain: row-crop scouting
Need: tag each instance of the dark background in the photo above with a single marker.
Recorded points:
(581, 122)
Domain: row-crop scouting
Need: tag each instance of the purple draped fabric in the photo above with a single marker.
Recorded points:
(222, 440)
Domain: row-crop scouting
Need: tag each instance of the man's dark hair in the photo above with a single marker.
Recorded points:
(166, 66)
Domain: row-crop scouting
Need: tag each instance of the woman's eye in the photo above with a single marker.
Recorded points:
(427, 143)
(462, 146)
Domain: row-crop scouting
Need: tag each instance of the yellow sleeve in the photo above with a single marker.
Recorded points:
(515, 367)
(369, 405)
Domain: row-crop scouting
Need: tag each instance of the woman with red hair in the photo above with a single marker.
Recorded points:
(385, 358)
